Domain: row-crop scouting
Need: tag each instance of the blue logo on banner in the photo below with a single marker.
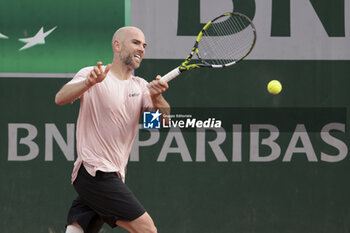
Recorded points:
(151, 120)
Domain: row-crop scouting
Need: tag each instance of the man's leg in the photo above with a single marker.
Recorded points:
(80, 216)
(143, 224)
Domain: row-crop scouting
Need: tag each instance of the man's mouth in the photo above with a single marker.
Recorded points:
(138, 57)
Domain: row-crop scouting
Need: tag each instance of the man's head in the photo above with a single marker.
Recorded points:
(129, 46)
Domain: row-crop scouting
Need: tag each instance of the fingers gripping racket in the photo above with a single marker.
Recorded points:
(222, 42)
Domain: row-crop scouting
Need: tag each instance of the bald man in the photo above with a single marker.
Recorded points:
(111, 101)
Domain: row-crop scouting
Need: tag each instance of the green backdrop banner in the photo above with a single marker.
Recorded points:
(60, 36)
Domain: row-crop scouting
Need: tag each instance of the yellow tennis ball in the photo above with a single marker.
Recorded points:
(274, 87)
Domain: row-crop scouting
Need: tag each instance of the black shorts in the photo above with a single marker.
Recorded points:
(102, 199)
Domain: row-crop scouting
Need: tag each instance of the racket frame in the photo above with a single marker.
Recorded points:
(184, 65)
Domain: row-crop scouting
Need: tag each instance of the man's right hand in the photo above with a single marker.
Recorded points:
(97, 74)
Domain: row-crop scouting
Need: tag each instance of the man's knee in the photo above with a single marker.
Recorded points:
(147, 227)
(152, 229)
(143, 224)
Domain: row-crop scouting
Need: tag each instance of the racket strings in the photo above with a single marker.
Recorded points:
(215, 46)
(231, 48)
(219, 47)
(222, 29)
(226, 41)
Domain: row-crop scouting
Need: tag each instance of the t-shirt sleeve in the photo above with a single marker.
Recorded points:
(80, 76)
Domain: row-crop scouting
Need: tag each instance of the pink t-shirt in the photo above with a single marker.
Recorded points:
(108, 122)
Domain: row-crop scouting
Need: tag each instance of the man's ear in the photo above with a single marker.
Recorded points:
(116, 46)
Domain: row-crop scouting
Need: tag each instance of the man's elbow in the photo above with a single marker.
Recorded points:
(59, 100)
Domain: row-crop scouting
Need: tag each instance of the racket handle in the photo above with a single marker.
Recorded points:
(171, 75)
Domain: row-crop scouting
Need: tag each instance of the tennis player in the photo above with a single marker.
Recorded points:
(111, 101)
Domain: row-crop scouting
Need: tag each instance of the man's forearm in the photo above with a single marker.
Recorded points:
(71, 92)
(163, 106)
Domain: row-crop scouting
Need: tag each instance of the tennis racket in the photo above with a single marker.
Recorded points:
(222, 42)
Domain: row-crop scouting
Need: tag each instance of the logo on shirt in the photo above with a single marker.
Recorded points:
(151, 120)
(134, 94)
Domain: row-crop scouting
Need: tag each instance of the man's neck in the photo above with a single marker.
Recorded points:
(120, 70)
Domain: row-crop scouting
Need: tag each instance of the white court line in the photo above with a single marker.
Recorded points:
(36, 75)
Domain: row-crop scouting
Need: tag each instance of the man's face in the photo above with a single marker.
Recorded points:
(133, 49)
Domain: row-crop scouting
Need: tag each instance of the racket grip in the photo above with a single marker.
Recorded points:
(171, 75)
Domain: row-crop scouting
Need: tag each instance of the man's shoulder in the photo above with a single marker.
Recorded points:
(84, 70)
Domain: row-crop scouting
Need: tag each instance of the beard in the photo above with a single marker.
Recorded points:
(128, 61)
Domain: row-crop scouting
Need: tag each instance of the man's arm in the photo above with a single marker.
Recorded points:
(157, 87)
(71, 92)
